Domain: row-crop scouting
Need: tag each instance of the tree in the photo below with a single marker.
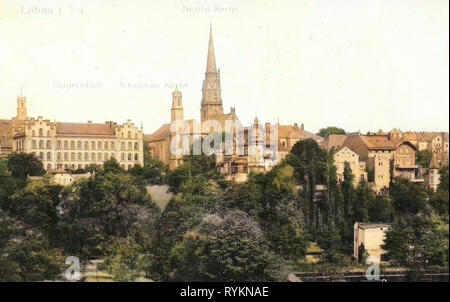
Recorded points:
(423, 158)
(103, 209)
(25, 253)
(37, 206)
(125, 261)
(363, 196)
(194, 165)
(443, 178)
(152, 171)
(348, 190)
(380, 209)
(23, 165)
(415, 241)
(224, 248)
(8, 184)
(112, 166)
(310, 164)
(325, 132)
(246, 197)
(407, 197)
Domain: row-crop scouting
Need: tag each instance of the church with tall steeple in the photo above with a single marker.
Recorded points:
(211, 109)
(234, 167)
(211, 104)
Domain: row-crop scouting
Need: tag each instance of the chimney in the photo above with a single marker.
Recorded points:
(303, 126)
(295, 126)
(89, 122)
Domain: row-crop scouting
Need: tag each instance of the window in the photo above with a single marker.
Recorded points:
(58, 145)
(92, 156)
(99, 145)
(136, 146)
(86, 146)
(129, 134)
(99, 157)
(86, 156)
(106, 145)
(41, 132)
(136, 157)
(129, 145)
(41, 155)
(41, 144)
(49, 156)
(79, 145)
(129, 156)
(79, 157)
(33, 133)
(58, 156)
(66, 156)
(66, 145)
(113, 146)
(72, 145)
(49, 144)
(122, 156)
(93, 145)
(122, 146)
(33, 144)
(48, 133)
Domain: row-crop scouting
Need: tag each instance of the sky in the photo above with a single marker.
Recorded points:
(360, 65)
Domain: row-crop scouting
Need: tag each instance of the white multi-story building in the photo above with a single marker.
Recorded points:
(72, 146)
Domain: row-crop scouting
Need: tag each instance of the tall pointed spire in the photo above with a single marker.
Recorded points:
(211, 104)
(211, 61)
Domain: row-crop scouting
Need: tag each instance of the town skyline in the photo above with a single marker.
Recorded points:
(135, 85)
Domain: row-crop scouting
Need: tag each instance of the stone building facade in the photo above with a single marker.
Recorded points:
(405, 162)
(378, 153)
(436, 142)
(234, 166)
(346, 155)
(72, 146)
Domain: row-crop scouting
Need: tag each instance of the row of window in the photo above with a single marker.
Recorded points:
(86, 156)
(41, 134)
(80, 166)
(82, 145)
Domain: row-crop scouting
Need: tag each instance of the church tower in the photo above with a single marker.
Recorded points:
(177, 106)
(211, 92)
(21, 107)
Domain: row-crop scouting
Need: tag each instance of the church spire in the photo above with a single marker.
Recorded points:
(211, 61)
(211, 104)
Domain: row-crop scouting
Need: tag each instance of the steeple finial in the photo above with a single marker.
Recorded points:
(211, 61)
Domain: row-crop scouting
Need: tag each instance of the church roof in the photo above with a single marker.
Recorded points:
(164, 131)
(161, 134)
